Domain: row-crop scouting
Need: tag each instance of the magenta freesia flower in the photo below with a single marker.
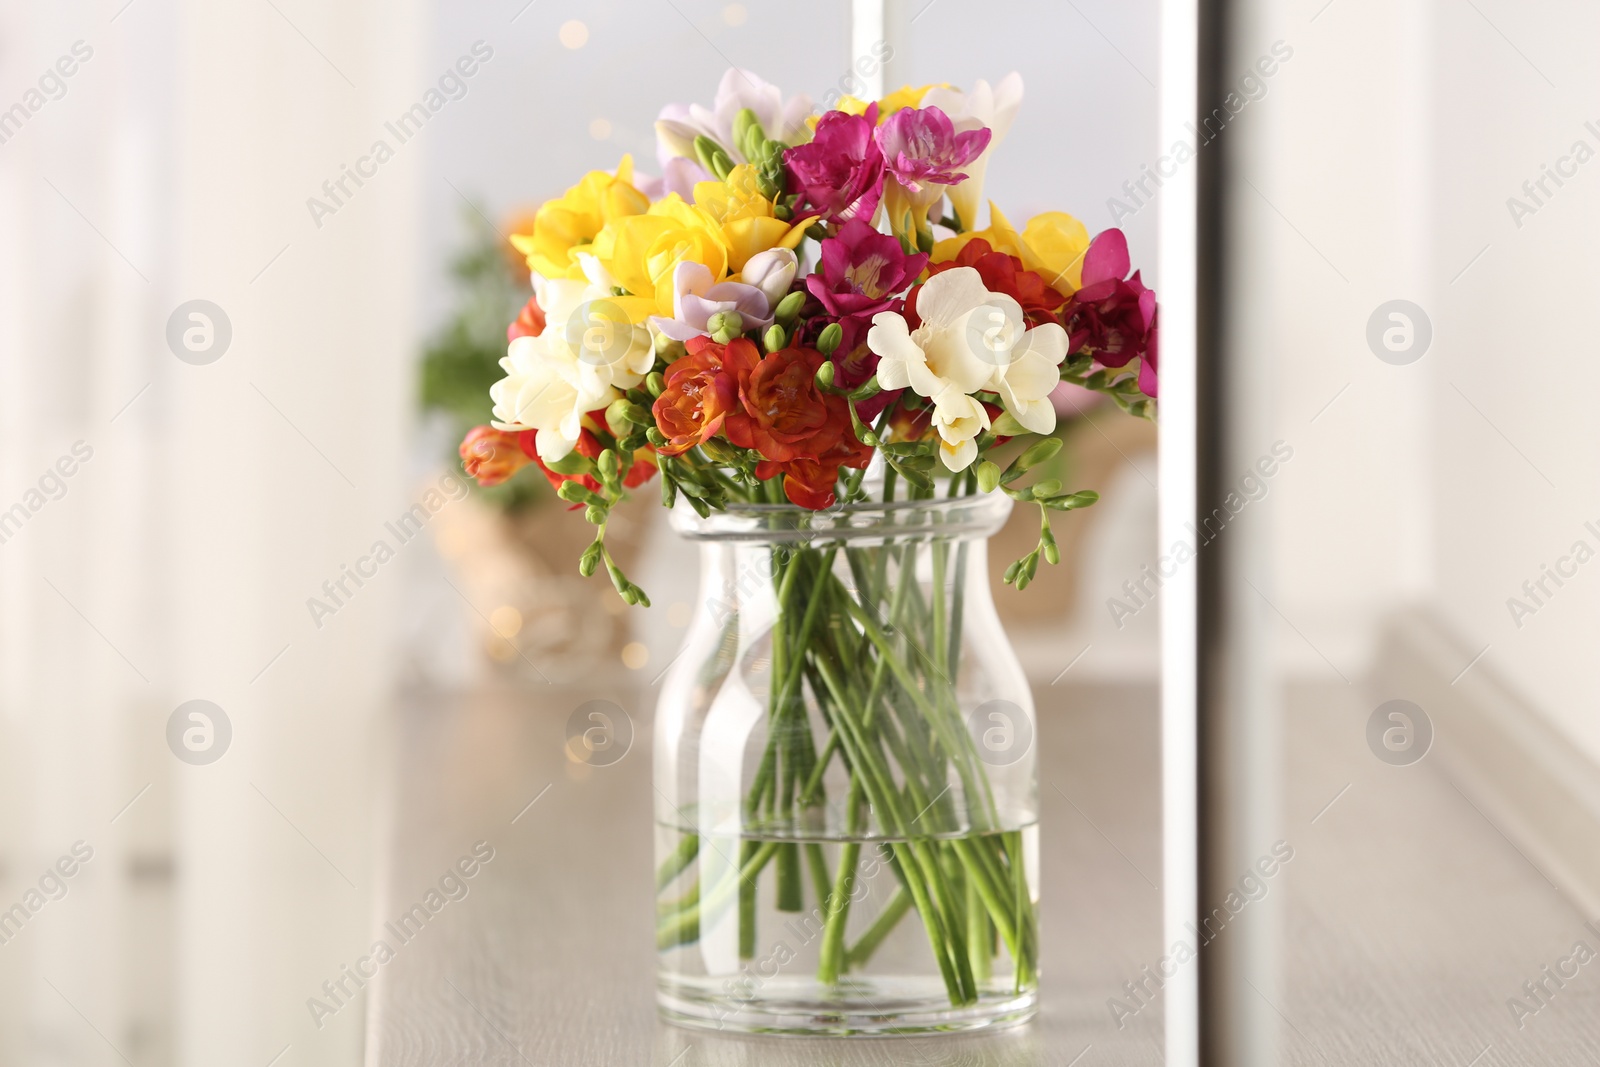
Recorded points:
(1113, 317)
(922, 149)
(840, 172)
(862, 270)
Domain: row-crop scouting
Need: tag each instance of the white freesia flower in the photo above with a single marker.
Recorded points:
(772, 272)
(970, 340)
(995, 108)
(588, 353)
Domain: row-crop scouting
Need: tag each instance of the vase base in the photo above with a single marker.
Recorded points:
(887, 1007)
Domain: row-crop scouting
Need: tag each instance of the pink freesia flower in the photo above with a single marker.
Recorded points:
(924, 153)
(1113, 317)
(839, 174)
(862, 270)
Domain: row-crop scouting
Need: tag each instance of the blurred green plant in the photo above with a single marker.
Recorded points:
(462, 359)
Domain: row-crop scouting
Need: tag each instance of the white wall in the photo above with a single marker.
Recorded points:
(176, 166)
(1382, 159)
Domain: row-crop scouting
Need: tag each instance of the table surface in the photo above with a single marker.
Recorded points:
(1408, 919)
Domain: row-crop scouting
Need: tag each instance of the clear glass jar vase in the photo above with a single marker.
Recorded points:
(846, 780)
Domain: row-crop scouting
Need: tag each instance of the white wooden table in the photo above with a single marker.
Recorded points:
(1408, 919)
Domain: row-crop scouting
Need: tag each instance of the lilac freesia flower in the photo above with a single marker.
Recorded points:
(840, 173)
(696, 299)
(924, 153)
(862, 270)
(782, 120)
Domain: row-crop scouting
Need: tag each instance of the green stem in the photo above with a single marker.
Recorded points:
(860, 952)
(831, 958)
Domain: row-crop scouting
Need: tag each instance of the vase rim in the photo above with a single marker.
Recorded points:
(958, 518)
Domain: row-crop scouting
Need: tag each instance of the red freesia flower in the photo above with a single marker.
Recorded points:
(702, 388)
(529, 321)
(782, 410)
(862, 270)
(808, 481)
(801, 432)
(1005, 274)
(1113, 317)
(491, 456)
(839, 174)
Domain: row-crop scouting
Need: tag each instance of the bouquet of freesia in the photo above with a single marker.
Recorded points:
(798, 301)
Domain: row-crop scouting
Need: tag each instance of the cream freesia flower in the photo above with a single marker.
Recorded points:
(995, 108)
(588, 353)
(970, 340)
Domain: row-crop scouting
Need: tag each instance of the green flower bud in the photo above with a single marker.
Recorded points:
(668, 349)
(775, 339)
(719, 451)
(669, 490)
(618, 422)
(826, 371)
(1052, 554)
(1007, 426)
(655, 437)
(1039, 452)
(610, 463)
(593, 515)
(988, 475)
(789, 308)
(654, 383)
(724, 326)
(748, 136)
(866, 390)
(781, 213)
(577, 493)
(1048, 487)
(829, 340)
(589, 560)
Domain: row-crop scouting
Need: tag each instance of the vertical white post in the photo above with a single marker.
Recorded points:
(867, 28)
(1179, 754)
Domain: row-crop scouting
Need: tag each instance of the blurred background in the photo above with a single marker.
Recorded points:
(226, 155)
(1414, 467)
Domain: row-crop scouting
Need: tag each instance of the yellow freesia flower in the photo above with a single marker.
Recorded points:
(746, 216)
(640, 252)
(563, 225)
(1052, 244)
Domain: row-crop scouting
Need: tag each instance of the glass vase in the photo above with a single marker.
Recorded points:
(846, 780)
